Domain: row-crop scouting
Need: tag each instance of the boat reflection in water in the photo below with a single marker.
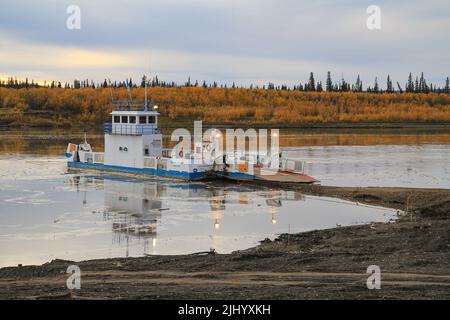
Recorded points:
(136, 208)
(83, 217)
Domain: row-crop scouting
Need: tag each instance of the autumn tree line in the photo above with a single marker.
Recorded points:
(86, 103)
(417, 85)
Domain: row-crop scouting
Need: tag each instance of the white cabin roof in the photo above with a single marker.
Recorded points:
(134, 113)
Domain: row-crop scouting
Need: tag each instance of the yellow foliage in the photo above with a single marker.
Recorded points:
(229, 106)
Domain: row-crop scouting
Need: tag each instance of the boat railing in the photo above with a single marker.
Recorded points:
(130, 129)
(99, 157)
(292, 165)
(162, 164)
(129, 106)
(150, 162)
(92, 157)
(167, 153)
(239, 159)
(172, 153)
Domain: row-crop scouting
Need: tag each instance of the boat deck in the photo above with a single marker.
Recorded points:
(275, 176)
(284, 176)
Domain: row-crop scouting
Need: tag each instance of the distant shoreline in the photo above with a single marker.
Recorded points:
(432, 125)
(346, 125)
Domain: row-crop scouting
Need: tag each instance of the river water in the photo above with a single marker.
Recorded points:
(48, 212)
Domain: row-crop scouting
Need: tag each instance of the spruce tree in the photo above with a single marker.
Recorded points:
(358, 85)
(375, 86)
(329, 83)
(410, 84)
(389, 87)
(422, 83)
(319, 87)
(311, 83)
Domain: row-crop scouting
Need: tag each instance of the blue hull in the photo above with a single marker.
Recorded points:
(147, 171)
(240, 176)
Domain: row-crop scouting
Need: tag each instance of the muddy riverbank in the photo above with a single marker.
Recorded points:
(413, 254)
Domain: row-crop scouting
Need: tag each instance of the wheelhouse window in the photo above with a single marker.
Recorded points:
(151, 119)
(143, 119)
(116, 119)
(124, 119)
(132, 119)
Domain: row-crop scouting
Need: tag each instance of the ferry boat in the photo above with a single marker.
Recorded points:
(133, 144)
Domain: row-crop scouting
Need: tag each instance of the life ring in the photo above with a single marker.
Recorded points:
(181, 154)
(208, 147)
(195, 170)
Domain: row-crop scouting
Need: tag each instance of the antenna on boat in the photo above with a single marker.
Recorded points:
(145, 93)
(85, 137)
(147, 107)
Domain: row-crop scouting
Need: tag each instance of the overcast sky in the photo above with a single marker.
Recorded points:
(246, 41)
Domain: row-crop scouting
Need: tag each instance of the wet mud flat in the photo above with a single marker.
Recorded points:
(413, 254)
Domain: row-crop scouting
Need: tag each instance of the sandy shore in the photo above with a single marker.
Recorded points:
(413, 254)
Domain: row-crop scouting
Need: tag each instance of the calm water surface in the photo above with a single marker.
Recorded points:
(47, 214)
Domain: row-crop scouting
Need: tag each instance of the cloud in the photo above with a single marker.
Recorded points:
(222, 40)
(73, 62)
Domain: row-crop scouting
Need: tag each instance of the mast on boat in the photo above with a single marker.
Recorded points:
(145, 93)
